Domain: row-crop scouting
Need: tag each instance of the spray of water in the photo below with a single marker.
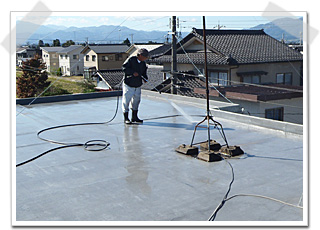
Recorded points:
(180, 110)
(183, 113)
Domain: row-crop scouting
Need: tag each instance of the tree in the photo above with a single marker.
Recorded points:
(33, 79)
(40, 43)
(56, 42)
(127, 42)
(68, 43)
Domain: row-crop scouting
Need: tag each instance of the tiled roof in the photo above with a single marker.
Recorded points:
(114, 77)
(196, 57)
(249, 46)
(52, 49)
(185, 85)
(155, 77)
(109, 48)
(237, 47)
(69, 49)
(161, 50)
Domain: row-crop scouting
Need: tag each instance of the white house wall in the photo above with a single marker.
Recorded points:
(70, 66)
(102, 85)
(90, 63)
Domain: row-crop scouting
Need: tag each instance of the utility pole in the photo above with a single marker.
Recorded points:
(219, 26)
(282, 40)
(131, 38)
(173, 57)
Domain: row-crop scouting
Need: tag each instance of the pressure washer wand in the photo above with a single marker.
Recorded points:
(148, 81)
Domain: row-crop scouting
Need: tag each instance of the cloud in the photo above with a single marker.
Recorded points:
(103, 19)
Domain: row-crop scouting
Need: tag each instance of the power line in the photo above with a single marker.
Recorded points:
(149, 21)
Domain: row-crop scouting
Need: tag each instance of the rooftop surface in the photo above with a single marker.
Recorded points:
(140, 177)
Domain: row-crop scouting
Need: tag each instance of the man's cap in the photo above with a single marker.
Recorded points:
(144, 52)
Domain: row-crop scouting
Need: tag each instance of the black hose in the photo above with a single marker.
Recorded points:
(91, 145)
(225, 198)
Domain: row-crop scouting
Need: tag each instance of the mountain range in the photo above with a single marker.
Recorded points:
(93, 34)
(288, 29)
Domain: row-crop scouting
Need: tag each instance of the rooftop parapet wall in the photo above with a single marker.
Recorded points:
(219, 109)
(286, 127)
(71, 97)
(232, 112)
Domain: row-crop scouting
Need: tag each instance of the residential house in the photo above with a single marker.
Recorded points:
(103, 57)
(25, 53)
(242, 57)
(51, 58)
(108, 80)
(71, 60)
(237, 56)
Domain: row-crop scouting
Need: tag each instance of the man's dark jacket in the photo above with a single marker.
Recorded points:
(130, 66)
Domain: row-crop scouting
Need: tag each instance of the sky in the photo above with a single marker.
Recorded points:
(151, 22)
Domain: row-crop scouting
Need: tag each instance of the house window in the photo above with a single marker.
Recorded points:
(218, 78)
(66, 56)
(118, 57)
(254, 79)
(61, 56)
(275, 113)
(75, 56)
(93, 57)
(87, 57)
(105, 58)
(284, 78)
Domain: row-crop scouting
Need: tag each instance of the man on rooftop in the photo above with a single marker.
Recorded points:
(135, 72)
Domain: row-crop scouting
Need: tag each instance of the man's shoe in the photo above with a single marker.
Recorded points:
(135, 117)
(126, 118)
